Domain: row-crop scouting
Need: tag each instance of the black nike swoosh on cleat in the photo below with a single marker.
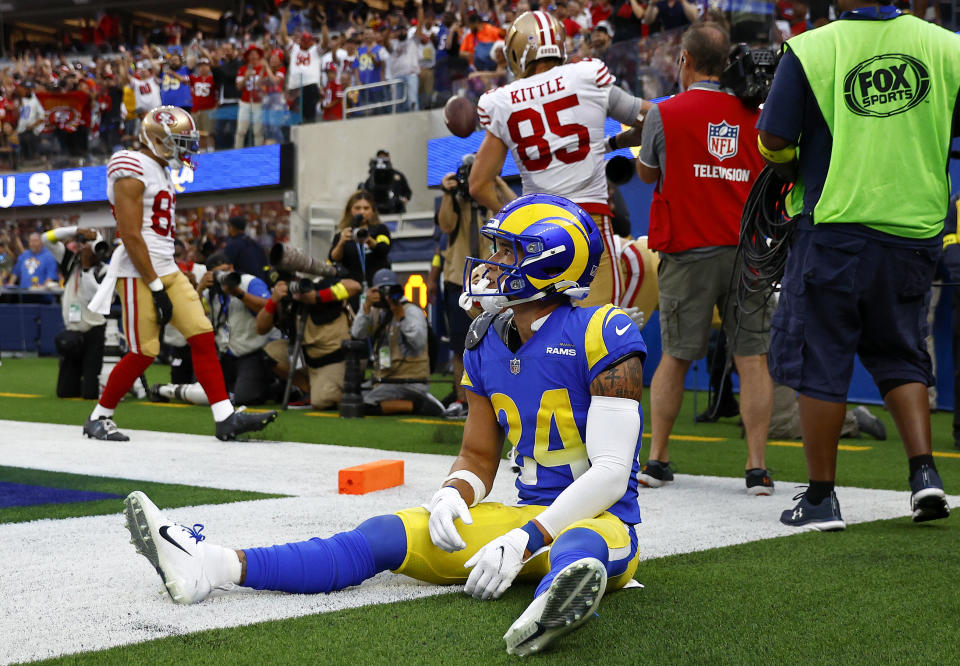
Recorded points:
(163, 533)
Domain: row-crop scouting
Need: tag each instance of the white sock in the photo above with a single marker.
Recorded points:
(221, 410)
(220, 565)
(99, 411)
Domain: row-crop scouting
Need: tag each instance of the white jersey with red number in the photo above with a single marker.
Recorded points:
(159, 200)
(146, 93)
(552, 123)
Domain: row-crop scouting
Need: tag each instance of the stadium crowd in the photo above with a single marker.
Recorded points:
(75, 100)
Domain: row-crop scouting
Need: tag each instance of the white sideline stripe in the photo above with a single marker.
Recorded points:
(77, 585)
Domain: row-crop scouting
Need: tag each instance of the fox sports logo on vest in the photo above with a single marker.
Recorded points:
(886, 85)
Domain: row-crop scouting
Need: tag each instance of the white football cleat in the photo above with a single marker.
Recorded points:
(571, 600)
(174, 551)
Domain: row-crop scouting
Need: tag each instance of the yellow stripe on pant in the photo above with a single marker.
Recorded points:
(426, 562)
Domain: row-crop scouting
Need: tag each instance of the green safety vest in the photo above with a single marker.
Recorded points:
(887, 90)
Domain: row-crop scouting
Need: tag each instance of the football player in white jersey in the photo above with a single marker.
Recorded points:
(551, 119)
(153, 290)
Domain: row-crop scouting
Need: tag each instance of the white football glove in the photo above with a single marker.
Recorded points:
(446, 506)
(637, 315)
(496, 565)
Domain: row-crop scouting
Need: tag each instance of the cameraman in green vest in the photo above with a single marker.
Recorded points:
(861, 115)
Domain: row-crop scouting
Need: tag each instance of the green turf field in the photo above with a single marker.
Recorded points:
(880, 592)
(868, 595)
(706, 448)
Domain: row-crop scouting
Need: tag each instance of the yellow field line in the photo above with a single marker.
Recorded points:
(20, 395)
(434, 422)
(327, 415)
(946, 454)
(163, 404)
(691, 438)
(799, 445)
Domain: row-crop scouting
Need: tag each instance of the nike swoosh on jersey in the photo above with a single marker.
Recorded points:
(621, 331)
(163, 533)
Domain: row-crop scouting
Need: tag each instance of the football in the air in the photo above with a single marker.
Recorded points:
(460, 116)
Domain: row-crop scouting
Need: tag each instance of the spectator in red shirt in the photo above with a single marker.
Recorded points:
(252, 78)
(204, 92)
(333, 93)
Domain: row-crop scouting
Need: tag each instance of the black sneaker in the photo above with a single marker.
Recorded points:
(240, 422)
(869, 424)
(759, 482)
(655, 474)
(927, 501)
(430, 406)
(154, 394)
(824, 516)
(103, 428)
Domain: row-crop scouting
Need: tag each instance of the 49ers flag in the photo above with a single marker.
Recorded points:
(65, 110)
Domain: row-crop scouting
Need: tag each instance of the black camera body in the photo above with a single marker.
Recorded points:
(463, 180)
(389, 293)
(749, 73)
(360, 233)
(227, 279)
(100, 249)
(301, 286)
(381, 171)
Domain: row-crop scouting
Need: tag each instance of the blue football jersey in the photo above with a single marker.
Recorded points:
(541, 395)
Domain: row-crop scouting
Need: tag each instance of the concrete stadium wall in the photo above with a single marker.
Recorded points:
(333, 157)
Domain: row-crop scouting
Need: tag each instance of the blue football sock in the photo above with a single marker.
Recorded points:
(571, 546)
(326, 565)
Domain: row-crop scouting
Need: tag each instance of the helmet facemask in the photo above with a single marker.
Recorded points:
(510, 286)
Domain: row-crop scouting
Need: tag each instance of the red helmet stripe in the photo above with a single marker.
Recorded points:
(543, 35)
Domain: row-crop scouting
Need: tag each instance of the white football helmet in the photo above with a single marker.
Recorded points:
(534, 36)
(171, 134)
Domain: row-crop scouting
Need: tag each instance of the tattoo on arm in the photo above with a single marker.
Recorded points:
(622, 380)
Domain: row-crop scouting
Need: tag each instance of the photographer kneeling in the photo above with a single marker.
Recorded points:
(80, 344)
(323, 303)
(235, 299)
(398, 332)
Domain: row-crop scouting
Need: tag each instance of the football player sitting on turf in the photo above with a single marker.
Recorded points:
(563, 384)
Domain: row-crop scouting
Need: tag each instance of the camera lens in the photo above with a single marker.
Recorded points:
(362, 234)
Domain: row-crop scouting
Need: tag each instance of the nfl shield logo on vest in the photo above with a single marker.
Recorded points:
(722, 140)
(515, 366)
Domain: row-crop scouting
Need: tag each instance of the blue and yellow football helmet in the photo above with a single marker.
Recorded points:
(556, 249)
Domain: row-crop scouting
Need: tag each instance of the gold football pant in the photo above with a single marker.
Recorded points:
(426, 562)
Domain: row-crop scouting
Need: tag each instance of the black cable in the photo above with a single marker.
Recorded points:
(765, 233)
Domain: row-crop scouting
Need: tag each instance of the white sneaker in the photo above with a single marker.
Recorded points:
(569, 602)
(174, 551)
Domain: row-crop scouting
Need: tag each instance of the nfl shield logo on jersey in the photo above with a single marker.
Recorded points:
(722, 140)
(515, 366)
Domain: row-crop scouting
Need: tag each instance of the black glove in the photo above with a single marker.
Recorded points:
(163, 306)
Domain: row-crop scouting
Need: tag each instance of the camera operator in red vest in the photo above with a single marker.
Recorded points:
(699, 147)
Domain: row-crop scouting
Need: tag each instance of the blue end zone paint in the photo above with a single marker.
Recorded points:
(18, 494)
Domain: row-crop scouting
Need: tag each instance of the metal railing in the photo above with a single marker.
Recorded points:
(390, 86)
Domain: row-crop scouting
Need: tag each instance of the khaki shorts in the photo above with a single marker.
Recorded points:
(204, 121)
(690, 289)
(140, 317)
(326, 383)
